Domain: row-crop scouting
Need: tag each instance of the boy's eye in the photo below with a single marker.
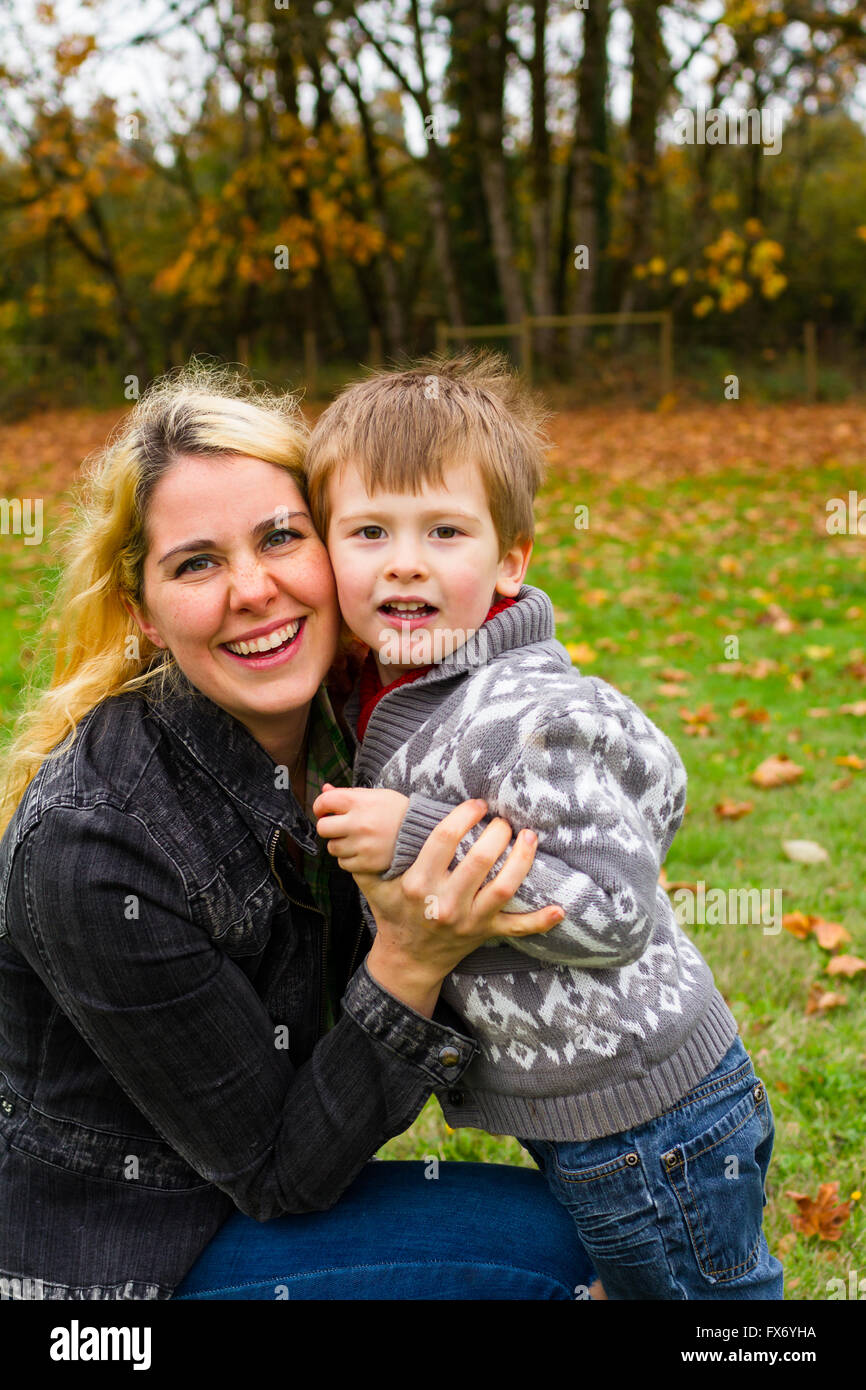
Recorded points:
(451, 529)
(364, 531)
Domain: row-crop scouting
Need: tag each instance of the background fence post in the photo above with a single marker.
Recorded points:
(811, 363)
(667, 350)
(310, 364)
(526, 348)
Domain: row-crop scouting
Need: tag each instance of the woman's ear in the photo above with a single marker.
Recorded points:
(138, 616)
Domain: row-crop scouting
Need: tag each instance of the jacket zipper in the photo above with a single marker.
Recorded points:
(307, 907)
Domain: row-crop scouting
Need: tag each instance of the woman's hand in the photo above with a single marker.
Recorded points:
(429, 919)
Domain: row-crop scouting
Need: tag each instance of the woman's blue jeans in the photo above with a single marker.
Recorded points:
(421, 1230)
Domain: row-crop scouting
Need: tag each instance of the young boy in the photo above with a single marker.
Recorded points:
(606, 1048)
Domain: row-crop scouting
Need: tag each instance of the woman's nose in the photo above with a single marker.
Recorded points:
(252, 582)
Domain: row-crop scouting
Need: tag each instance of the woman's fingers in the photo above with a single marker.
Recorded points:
(441, 844)
(526, 923)
(476, 864)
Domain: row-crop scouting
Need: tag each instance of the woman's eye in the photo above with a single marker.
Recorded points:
(188, 564)
(284, 531)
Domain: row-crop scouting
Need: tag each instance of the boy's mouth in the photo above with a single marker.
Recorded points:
(408, 614)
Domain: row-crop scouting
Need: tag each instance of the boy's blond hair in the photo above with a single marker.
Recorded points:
(401, 428)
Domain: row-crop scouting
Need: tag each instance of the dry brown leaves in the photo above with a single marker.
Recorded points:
(820, 1216)
(776, 771)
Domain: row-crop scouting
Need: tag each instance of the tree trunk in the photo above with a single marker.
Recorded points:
(540, 215)
(589, 202)
(650, 75)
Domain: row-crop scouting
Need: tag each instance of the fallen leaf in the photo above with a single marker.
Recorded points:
(840, 784)
(858, 707)
(776, 771)
(785, 1244)
(805, 851)
(673, 692)
(831, 935)
(822, 1215)
(851, 760)
(819, 712)
(820, 1000)
(799, 924)
(845, 965)
(673, 673)
(733, 810)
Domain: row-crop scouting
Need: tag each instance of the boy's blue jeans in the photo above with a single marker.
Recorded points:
(673, 1209)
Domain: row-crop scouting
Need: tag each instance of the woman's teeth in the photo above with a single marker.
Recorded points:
(267, 643)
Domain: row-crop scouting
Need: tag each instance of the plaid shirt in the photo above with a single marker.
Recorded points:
(328, 760)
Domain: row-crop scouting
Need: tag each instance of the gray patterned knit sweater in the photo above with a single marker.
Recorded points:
(609, 1018)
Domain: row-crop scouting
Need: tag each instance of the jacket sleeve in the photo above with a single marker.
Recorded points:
(605, 793)
(180, 1027)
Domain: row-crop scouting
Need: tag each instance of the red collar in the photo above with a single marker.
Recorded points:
(371, 690)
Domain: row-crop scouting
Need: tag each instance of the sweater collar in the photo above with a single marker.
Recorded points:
(509, 623)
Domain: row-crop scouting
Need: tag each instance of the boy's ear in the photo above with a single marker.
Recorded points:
(137, 615)
(513, 567)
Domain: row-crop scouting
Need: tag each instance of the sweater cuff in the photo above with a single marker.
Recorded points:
(422, 815)
(438, 1049)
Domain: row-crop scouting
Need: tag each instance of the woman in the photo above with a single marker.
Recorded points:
(176, 947)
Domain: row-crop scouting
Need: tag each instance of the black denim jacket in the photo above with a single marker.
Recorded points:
(161, 975)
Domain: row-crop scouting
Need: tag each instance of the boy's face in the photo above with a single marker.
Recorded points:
(437, 550)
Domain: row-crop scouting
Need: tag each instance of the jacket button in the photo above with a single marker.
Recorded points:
(670, 1159)
(631, 1160)
(449, 1056)
(758, 1092)
(456, 1097)
(6, 1106)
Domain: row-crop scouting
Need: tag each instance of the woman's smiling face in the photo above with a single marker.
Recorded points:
(233, 557)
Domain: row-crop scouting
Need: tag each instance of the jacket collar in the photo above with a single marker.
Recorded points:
(229, 755)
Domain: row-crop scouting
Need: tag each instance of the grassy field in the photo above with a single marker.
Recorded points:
(702, 581)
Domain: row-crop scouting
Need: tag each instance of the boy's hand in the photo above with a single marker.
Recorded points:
(361, 825)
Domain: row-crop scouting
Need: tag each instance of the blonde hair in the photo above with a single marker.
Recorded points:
(401, 428)
(204, 410)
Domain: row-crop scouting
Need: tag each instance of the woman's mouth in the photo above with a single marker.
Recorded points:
(277, 646)
(407, 615)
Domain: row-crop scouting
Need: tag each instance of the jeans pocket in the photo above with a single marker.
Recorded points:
(611, 1204)
(718, 1180)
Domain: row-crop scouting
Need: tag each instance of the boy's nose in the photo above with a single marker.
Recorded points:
(405, 564)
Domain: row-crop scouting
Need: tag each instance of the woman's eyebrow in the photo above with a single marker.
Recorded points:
(271, 523)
